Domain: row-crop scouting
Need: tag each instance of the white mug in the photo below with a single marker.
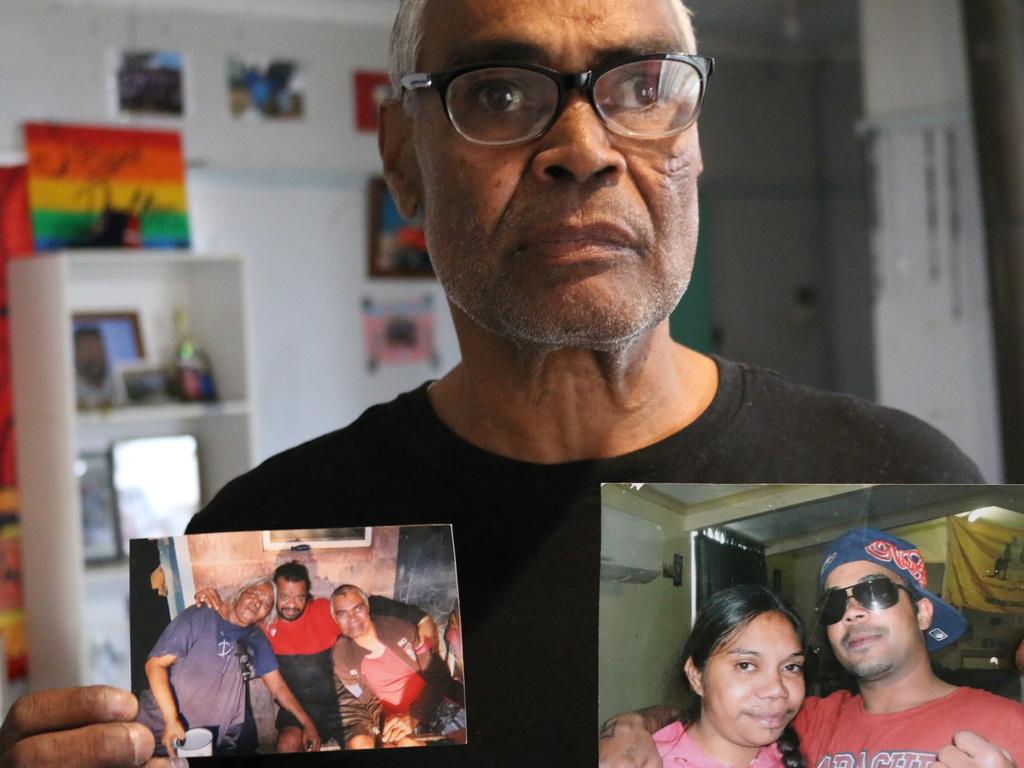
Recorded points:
(198, 743)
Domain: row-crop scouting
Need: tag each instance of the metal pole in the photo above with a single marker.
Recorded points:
(994, 31)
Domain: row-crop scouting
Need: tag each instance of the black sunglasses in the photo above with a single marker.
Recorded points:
(875, 594)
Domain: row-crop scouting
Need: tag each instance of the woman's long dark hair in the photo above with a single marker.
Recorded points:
(725, 614)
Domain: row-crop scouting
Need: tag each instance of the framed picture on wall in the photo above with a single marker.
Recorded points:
(102, 342)
(320, 538)
(398, 247)
(101, 535)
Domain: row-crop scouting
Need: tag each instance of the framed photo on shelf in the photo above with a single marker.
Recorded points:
(398, 248)
(102, 342)
(101, 535)
(145, 385)
(156, 481)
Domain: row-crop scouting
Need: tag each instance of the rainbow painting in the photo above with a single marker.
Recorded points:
(94, 186)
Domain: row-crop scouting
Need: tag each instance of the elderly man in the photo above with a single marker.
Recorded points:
(199, 669)
(552, 148)
(881, 622)
(384, 659)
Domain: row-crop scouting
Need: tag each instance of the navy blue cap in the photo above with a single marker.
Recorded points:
(904, 559)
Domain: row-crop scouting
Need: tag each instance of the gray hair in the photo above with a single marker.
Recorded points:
(346, 589)
(407, 39)
(255, 582)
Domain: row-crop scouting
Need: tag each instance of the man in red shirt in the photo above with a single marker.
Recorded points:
(386, 658)
(302, 636)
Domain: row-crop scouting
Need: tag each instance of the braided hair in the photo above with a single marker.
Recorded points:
(726, 613)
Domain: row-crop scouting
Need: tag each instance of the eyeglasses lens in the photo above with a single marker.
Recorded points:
(649, 98)
(874, 595)
(501, 105)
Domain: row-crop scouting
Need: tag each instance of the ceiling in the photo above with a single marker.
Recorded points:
(790, 517)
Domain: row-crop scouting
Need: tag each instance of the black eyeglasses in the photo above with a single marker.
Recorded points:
(874, 594)
(502, 103)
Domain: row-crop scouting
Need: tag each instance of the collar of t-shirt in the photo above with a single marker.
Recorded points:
(677, 749)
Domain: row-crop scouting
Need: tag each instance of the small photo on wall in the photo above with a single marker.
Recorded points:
(267, 89)
(101, 534)
(151, 83)
(399, 332)
(398, 246)
(356, 644)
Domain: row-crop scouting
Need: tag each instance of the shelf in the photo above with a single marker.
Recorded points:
(164, 412)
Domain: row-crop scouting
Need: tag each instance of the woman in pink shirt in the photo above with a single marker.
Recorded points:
(743, 671)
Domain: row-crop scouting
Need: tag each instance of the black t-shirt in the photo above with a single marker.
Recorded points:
(527, 536)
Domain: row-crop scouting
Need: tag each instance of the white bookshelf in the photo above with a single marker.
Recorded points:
(77, 617)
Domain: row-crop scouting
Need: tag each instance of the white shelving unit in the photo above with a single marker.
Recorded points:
(77, 617)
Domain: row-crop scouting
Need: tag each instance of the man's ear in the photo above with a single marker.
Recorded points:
(693, 675)
(398, 153)
(925, 610)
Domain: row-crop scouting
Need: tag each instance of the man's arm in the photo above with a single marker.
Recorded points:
(160, 685)
(283, 695)
(625, 740)
(87, 727)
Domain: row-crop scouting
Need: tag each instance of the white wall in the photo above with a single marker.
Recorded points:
(933, 338)
(290, 197)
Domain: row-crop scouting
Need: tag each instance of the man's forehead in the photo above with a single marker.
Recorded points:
(550, 31)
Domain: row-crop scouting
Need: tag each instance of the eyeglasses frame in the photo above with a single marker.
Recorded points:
(439, 81)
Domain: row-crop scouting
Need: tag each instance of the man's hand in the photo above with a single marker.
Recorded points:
(397, 727)
(210, 597)
(969, 750)
(74, 727)
(174, 731)
(310, 737)
(626, 742)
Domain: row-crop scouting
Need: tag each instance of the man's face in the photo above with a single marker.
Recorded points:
(91, 358)
(352, 614)
(580, 238)
(291, 599)
(254, 603)
(876, 644)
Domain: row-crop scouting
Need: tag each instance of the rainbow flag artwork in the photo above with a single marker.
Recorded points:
(96, 186)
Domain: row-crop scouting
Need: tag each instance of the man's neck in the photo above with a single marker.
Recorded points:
(553, 406)
(897, 693)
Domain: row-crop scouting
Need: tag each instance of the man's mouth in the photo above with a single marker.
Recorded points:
(579, 242)
(859, 641)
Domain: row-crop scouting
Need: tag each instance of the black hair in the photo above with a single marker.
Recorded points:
(722, 616)
(293, 571)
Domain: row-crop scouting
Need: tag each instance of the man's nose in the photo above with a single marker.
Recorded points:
(577, 148)
(854, 610)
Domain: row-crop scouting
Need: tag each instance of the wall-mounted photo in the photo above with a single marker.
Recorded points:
(268, 89)
(102, 342)
(243, 648)
(150, 83)
(398, 247)
(399, 332)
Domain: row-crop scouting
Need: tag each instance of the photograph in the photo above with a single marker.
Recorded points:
(150, 83)
(241, 648)
(156, 483)
(811, 607)
(146, 385)
(398, 247)
(102, 343)
(399, 332)
(268, 89)
(101, 535)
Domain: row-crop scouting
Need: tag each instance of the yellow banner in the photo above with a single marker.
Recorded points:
(984, 567)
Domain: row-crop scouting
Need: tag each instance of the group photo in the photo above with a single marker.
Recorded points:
(298, 641)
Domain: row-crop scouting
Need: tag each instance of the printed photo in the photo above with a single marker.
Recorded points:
(243, 648)
(270, 89)
(398, 247)
(101, 343)
(150, 83)
(779, 615)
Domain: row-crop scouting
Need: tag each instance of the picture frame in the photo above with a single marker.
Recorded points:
(101, 529)
(101, 344)
(398, 246)
(150, 83)
(320, 538)
(145, 385)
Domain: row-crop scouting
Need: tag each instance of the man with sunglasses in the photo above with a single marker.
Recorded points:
(881, 622)
(552, 148)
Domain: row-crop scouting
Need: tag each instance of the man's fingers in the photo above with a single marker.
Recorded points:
(107, 745)
(65, 708)
(969, 746)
